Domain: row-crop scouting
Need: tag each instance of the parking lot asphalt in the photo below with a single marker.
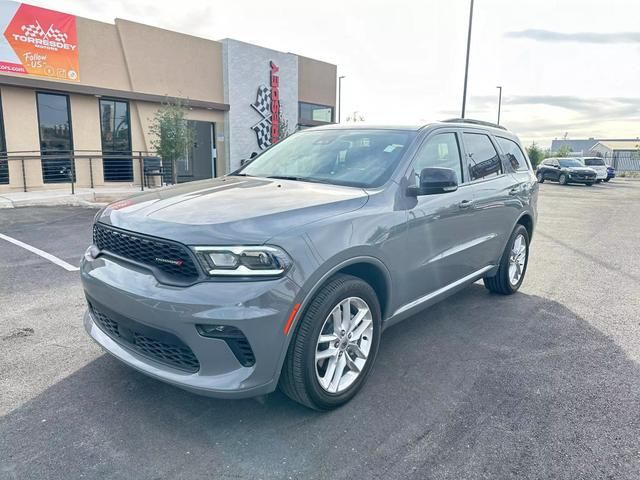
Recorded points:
(542, 384)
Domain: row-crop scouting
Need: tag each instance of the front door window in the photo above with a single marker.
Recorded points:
(116, 140)
(56, 140)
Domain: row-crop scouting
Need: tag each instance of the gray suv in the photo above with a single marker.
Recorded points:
(286, 272)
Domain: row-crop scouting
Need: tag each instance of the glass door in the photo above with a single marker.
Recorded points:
(116, 140)
(56, 139)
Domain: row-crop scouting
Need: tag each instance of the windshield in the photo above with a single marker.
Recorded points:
(354, 157)
(593, 162)
(571, 162)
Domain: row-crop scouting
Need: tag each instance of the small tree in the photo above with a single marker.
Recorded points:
(536, 154)
(171, 134)
(563, 151)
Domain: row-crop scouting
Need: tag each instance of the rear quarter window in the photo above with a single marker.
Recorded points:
(513, 153)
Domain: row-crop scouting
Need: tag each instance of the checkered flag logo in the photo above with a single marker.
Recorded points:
(263, 102)
(33, 30)
(263, 133)
(37, 31)
(57, 35)
(262, 105)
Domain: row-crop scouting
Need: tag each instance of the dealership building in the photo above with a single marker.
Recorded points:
(78, 94)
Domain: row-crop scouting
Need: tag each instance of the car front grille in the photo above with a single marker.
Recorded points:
(171, 259)
(158, 345)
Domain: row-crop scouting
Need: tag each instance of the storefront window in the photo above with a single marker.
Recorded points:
(312, 114)
(56, 140)
(116, 140)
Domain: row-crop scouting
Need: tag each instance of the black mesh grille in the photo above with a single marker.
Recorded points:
(161, 346)
(170, 258)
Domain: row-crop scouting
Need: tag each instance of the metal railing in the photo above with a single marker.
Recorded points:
(35, 170)
(628, 161)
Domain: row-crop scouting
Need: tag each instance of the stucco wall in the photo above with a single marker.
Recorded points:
(316, 81)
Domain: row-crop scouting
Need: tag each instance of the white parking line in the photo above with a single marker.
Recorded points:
(43, 254)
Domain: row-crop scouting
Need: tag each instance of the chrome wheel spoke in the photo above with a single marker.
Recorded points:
(357, 351)
(328, 353)
(351, 364)
(332, 337)
(357, 333)
(337, 374)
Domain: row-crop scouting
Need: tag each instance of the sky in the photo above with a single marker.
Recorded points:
(567, 67)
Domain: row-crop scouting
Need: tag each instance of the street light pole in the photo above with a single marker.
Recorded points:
(466, 68)
(499, 101)
(340, 97)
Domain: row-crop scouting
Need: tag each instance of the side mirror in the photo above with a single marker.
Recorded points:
(435, 180)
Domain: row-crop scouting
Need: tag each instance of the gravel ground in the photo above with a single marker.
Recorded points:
(544, 384)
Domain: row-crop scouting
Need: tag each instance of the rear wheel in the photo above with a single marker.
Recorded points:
(563, 179)
(335, 345)
(540, 177)
(513, 264)
(589, 184)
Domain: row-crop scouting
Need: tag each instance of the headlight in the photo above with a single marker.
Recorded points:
(243, 260)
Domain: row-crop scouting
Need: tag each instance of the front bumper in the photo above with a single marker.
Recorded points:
(259, 309)
(579, 178)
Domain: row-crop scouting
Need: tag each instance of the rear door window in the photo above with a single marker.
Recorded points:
(482, 157)
(513, 154)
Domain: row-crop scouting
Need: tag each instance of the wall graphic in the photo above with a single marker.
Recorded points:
(267, 105)
(261, 86)
(37, 41)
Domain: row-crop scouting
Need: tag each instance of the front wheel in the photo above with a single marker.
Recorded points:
(563, 179)
(513, 264)
(334, 346)
(589, 184)
(540, 177)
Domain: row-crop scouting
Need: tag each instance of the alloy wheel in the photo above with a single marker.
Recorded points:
(517, 259)
(343, 346)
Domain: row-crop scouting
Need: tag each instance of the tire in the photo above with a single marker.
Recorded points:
(589, 184)
(501, 282)
(540, 177)
(300, 378)
(563, 179)
(599, 181)
(607, 179)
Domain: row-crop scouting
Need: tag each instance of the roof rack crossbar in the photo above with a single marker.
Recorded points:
(474, 122)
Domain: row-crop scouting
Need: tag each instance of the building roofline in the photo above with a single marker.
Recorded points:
(66, 87)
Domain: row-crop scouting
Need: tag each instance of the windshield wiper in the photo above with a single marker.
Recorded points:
(299, 179)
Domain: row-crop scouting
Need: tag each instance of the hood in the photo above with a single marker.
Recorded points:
(231, 210)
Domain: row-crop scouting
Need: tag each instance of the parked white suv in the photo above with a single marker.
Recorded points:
(596, 164)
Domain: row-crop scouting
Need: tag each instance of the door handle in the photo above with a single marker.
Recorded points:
(465, 203)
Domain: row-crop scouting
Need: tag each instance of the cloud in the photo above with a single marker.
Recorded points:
(580, 37)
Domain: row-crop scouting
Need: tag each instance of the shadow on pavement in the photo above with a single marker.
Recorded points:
(480, 386)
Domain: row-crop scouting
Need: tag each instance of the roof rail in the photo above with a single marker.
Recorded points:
(474, 122)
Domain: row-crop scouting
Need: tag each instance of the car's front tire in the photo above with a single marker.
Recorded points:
(513, 264)
(334, 346)
(563, 179)
(540, 177)
(589, 184)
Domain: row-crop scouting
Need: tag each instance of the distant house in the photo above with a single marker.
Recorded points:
(584, 146)
(616, 148)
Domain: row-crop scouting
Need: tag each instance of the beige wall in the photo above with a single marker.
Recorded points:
(101, 59)
(316, 81)
(21, 132)
(168, 63)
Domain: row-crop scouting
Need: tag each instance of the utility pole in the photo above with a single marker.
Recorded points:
(499, 102)
(340, 97)
(466, 68)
